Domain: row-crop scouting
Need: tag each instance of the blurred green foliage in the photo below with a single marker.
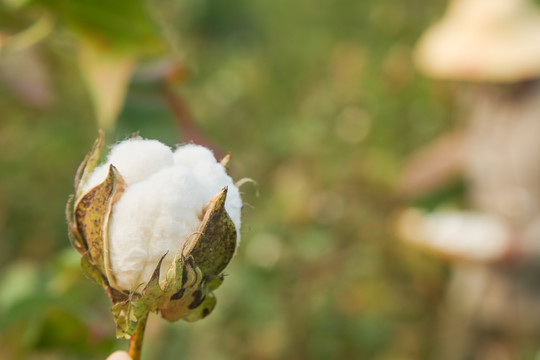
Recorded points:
(118, 25)
(319, 102)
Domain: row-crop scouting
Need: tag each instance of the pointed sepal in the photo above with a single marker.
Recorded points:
(214, 244)
(88, 164)
(91, 271)
(152, 292)
(91, 215)
(226, 161)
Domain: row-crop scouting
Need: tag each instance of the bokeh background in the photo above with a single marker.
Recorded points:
(318, 101)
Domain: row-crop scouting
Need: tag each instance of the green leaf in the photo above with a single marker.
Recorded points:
(120, 25)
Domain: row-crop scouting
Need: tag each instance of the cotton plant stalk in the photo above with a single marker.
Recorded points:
(155, 228)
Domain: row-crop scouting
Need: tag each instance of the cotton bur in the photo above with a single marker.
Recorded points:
(155, 228)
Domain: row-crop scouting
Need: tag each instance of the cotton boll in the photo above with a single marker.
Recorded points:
(155, 205)
(137, 159)
(161, 207)
(152, 218)
(191, 155)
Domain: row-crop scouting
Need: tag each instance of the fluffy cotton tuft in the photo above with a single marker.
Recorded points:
(136, 159)
(211, 175)
(190, 155)
(161, 207)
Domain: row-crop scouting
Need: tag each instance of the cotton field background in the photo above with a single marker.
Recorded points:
(318, 102)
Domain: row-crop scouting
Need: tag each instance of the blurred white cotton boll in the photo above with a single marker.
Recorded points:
(463, 235)
(474, 235)
(151, 218)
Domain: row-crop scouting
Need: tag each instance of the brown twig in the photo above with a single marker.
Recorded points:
(189, 131)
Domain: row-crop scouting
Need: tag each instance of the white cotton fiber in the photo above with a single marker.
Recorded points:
(151, 219)
(190, 155)
(473, 235)
(212, 177)
(161, 206)
(135, 159)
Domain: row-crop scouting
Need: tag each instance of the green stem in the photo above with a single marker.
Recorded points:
(136, 341)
